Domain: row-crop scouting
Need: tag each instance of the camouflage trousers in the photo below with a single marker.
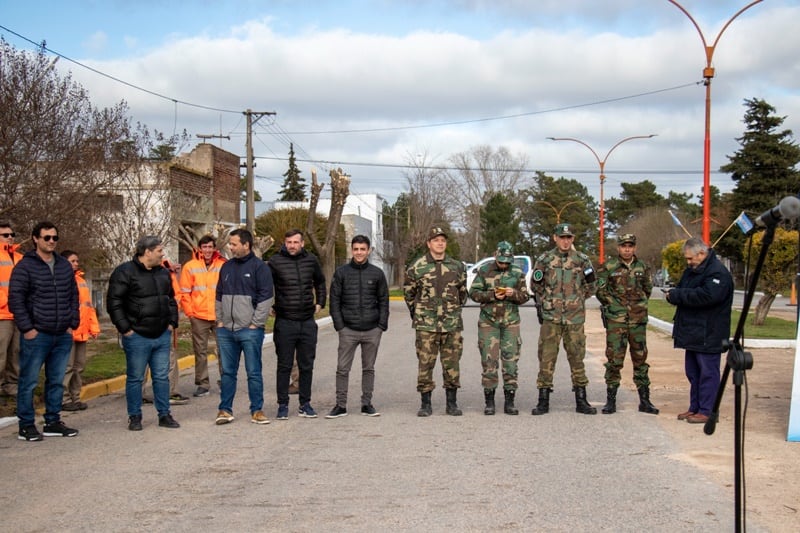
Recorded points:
(448, 346)
(618, 337)
(550, 337)
(498, 343)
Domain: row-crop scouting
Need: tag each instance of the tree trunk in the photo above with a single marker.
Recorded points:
(340, 189)
(762, 308)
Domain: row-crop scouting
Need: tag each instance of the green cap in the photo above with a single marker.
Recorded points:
(627, 238)
(563, 230)
(504, 252)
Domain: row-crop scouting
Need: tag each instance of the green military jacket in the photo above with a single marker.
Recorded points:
(624, 290)
(434, 292)
(493, 311)
(561, 282)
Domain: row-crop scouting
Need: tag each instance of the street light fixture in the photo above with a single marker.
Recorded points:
(708, 73)
(556, 211)
(602, 163)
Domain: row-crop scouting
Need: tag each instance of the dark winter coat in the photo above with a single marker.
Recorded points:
(141, 300)
(42, 299)
(244, 293)
(299, 284)
(359, 297)
(703, 299)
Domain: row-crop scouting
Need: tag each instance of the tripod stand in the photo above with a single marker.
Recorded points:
(739, 361)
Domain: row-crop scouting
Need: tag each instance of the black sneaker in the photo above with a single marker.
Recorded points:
(337, 412)
(178, 399)
(200, 392)
(135, 422)
(58, 429)
(30, 434)
(70, 406)
(146, 400)
(167, 421)
(368, 410)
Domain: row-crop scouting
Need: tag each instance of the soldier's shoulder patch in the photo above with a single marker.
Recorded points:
(601, 282)
(538, 275)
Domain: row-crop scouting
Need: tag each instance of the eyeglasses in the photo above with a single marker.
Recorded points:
(7, 235)
(48, 238)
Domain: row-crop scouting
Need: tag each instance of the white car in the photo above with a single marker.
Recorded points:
(523, 261)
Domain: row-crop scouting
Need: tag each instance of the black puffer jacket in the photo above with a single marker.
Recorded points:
(141, 300)
(43, 300)
(359, 297)
(703, 298)
(299, 284)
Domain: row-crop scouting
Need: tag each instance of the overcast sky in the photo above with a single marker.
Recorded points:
(365, 85)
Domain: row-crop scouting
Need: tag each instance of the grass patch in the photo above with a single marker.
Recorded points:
(398, 293)
(773, 328)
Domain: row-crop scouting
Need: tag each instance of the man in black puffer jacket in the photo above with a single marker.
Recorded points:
(702, 322)
(299, 295)
(360, 313)
(142, 306)
(43, 297)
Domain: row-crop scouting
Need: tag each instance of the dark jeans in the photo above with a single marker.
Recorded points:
(141, 352)
(232, 344)
(295, 337)
(52, 351)
(702, 370)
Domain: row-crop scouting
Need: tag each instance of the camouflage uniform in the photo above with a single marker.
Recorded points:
(561, 283)
(498, 322)
(623, 291)
(434, 292)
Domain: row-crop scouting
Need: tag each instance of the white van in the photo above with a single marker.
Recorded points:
(523, 261)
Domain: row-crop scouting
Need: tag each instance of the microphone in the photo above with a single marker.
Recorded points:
(787, 209)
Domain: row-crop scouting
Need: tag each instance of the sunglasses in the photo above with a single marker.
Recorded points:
(48, 238)
(7, 235)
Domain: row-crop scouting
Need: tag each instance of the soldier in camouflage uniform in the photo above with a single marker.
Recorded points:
(435, 289)
(562, 280)
(623, 289)
(500, 289)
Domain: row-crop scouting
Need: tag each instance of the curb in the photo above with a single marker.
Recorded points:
(751, 343)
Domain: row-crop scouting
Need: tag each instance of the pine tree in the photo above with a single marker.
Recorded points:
(764, 167)
(294, 188)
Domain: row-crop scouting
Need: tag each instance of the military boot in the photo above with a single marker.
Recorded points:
(509, 408)
(581, 405)
(611, 401)
(488, 394)
(452, 407)
(644, 401)
(425, 407)
(544, 402)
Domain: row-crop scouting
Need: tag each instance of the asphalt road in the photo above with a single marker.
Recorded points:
(559, 472)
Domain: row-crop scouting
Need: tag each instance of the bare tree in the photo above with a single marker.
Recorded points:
(340, 189)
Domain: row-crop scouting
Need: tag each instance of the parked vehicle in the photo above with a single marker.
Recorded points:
(523, 261)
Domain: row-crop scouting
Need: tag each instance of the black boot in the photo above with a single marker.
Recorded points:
(611, 401)
(509, 408)
(544, 402)
(644, 401)
(488, 394)
(581, 405)
(425, 407)
(452, 407)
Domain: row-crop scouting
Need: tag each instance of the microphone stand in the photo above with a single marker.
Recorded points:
(739, 361)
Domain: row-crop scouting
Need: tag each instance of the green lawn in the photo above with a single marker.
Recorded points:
(773, 328)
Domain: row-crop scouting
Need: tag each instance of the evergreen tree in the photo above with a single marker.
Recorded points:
(294, 187)
(498, 223)
(764, 167)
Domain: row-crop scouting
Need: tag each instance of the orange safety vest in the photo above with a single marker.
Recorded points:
(199, 286)
(176, 288)
(89, 325)
(9, 257)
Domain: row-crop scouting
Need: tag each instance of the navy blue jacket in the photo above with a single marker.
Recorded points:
(703, 298)
(141, 299)
(244, 293)
(359, 297)
(43, 300)
(299, 284)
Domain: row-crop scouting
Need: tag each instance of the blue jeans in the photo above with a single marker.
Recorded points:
(231, 345)
(52, 351)
(141, 352)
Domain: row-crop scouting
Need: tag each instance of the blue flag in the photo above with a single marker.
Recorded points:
(744, 223)
(674, 218)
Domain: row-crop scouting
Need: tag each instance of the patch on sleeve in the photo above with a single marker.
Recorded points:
(538, 275)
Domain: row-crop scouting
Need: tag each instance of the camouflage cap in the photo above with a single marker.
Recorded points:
(563, 230)
(435, 231)
(504, 252)
(627, 238)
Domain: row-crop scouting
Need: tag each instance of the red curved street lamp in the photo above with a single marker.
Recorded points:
(602, 163)
(557, 212)
(708, 73)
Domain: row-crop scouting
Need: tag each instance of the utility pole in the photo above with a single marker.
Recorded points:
(206, 136)
(250, 204)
